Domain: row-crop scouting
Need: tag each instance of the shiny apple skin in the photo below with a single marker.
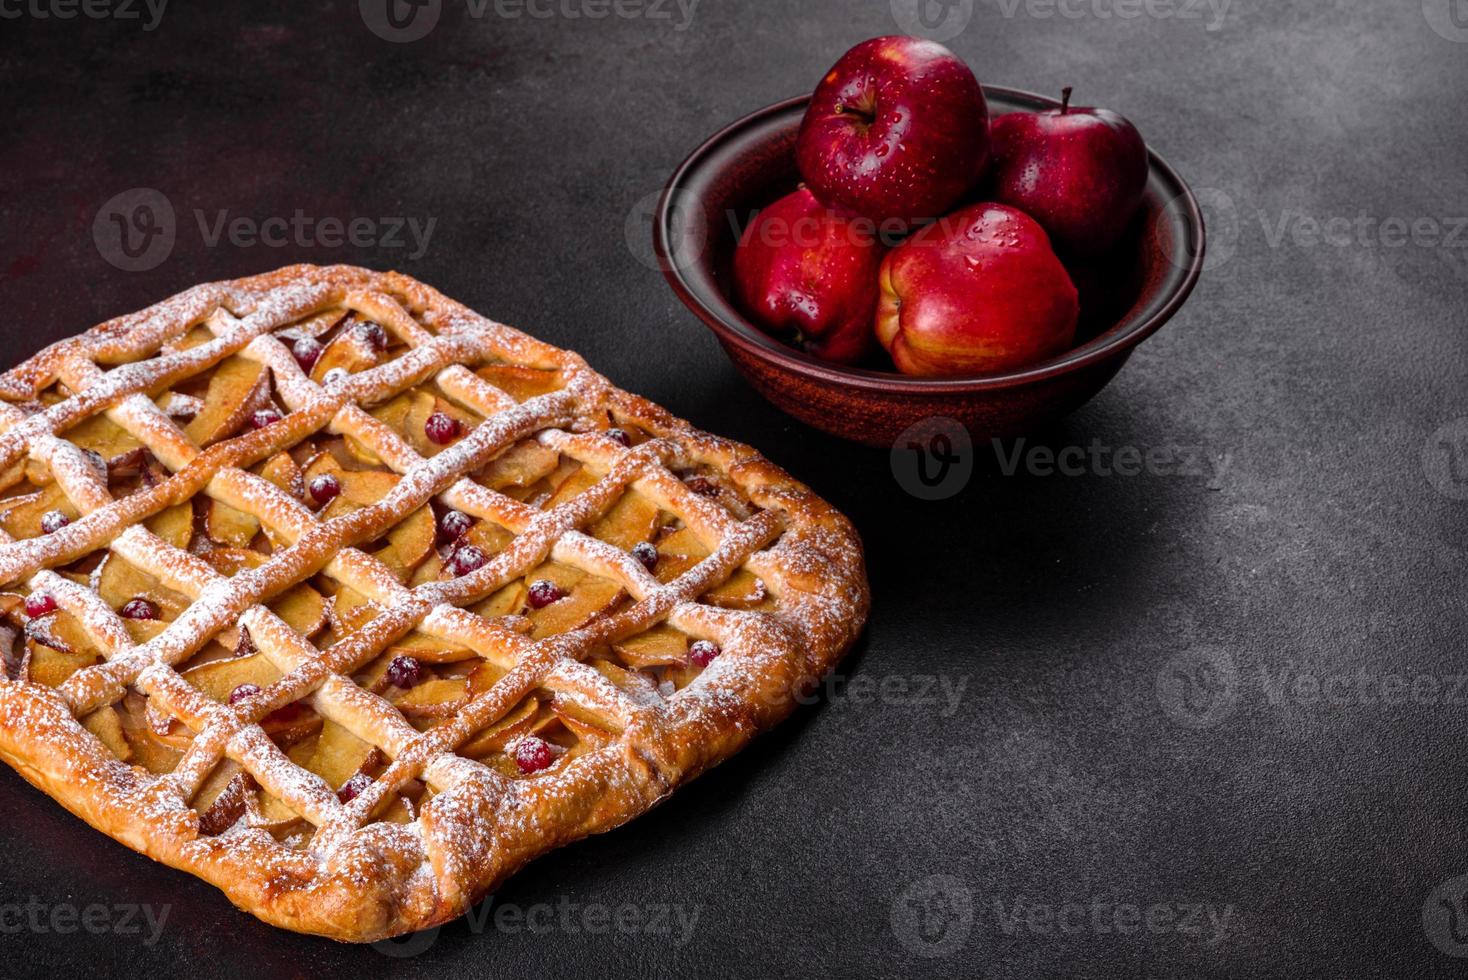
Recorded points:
(1080, 172)
(805, 271)
(976, 292)
(897, 131)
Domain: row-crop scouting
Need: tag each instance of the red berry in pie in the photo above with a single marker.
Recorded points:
(532, 754)
(441, 429)
(138, 609)
(404, 672)
(353, 787)
(702, 652)
(453, 525)
(544, 592)
(703, 486)
(39, 604)
(375, 336)
(242, 692)
(53, 521)
(619, 436)
(324, 489)
(647, 553)
(466, 559)
(307, 351)
(264, 417)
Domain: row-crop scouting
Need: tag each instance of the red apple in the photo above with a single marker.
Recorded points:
(805, 271)
(897, 131)
(978, 291)
(1080, 172)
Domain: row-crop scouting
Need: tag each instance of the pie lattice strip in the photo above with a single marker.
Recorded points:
(169, 442)
(588, 685)
(188, 574)
(204, 752)
(480, 826)
(254, 750)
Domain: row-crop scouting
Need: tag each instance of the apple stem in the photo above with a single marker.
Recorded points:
(1065, 100)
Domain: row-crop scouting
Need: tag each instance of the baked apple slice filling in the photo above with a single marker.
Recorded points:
(426, 678)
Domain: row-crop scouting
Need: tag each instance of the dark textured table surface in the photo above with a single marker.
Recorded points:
(1193, 721)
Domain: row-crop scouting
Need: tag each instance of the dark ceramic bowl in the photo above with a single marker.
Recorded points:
(751, 163)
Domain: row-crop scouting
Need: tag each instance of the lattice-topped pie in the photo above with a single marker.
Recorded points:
(350, 601)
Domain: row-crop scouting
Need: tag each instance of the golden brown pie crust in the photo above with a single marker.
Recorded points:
(360, 878)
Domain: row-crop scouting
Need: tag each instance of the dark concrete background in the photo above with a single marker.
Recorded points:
(1078, 765)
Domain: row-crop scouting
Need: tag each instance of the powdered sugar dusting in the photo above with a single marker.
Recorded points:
(479, 826)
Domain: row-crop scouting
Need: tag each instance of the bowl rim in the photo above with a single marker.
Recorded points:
(749, 338)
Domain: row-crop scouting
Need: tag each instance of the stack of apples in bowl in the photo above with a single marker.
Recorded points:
(911, 252)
